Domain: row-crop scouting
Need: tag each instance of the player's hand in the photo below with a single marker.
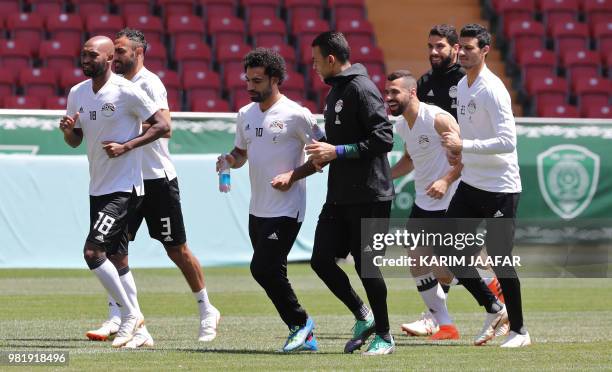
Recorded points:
(114, 149)
(320, 152)
(67, 123)
(437, 189)
(229, 158)
(452, 141)
(454, 158)
(283, 181)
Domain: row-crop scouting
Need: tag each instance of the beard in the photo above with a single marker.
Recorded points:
(124, 67)
(261, 96)
(400, 108)
(95, 71)
(443, 64)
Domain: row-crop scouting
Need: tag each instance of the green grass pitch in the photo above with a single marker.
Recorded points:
(570, 321)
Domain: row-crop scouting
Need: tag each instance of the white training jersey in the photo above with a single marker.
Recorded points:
(115, 113)
(274, 141)
(423, 144)
(484, 112)
(156, 161)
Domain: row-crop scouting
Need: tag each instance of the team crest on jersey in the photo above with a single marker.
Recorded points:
(471, 107)
(276, 126)
(108, 109)
(423, 141)
(452, 91)
(339, 105)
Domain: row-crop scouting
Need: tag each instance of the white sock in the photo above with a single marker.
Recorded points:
(434, 297)
(109, 277)
(127, 280)
(114, 312)
(203, 302)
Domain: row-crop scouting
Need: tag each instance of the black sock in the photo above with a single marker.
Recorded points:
(362, 313)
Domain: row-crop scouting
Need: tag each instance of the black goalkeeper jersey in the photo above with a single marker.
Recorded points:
(440, 88)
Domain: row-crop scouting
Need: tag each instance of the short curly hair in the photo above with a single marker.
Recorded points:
(269, 59)
(135, 36)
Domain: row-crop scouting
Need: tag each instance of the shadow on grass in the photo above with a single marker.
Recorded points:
(253, 352)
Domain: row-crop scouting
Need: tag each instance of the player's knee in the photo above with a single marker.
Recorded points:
(118, 259)
(260, 271)
(93, 257)
(321, 265)
(178, 253)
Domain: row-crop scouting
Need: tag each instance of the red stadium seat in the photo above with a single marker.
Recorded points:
(602, 33)
(231, 56)
(570, 35)
(270, 27)
(548, 91)
(27, 27)
(597, 10)
(22, 102)
(294, 82)
(226, 30)
(580, 62)
(9, 7)
(201, 82)
(368, 55)
(546, 83)
(57, 54)
(192, 55)
(361, 29)
(172, 82)
(378, 76)
(38, 82)
(286, 51)
(256, 9)
(65, 27)
(176, 7)
(218, 8)
(14, 54)
(239, 98)
(555, 11)
(347, 10)
(134, 7)
(7, 83)
(70, 78)
(306, 29)
(156, 56)
(594, 90)
(91, 7)
(55, 103)
(319, 88)
(299, 9)
(526, 35)
(210, 105)
(234, 80)
(185, 28)
(269, 39)
(536, 62)
(150, 25)
(104, 24)
(515, 10)
(558, 111)
(596, 111)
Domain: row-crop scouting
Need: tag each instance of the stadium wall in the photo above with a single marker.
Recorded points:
(565, 168)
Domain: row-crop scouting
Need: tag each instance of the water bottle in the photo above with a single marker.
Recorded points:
(225, 184)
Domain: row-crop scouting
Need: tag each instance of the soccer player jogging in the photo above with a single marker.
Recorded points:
(491, 184)
(438, 87)
(107, 111)
(421, 126)
(359, 186)
(271, 133)
(161, 206)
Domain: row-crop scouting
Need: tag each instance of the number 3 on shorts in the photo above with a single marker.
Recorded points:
(166, 226)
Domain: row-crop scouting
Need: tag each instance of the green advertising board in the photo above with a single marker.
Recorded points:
(566, 170)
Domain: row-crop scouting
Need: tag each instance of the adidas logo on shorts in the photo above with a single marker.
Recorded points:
(273, 236)
(498, 214)
(100, 238)
(168, 239)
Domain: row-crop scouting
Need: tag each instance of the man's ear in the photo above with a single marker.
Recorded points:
(331, 59)
(486, 49)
